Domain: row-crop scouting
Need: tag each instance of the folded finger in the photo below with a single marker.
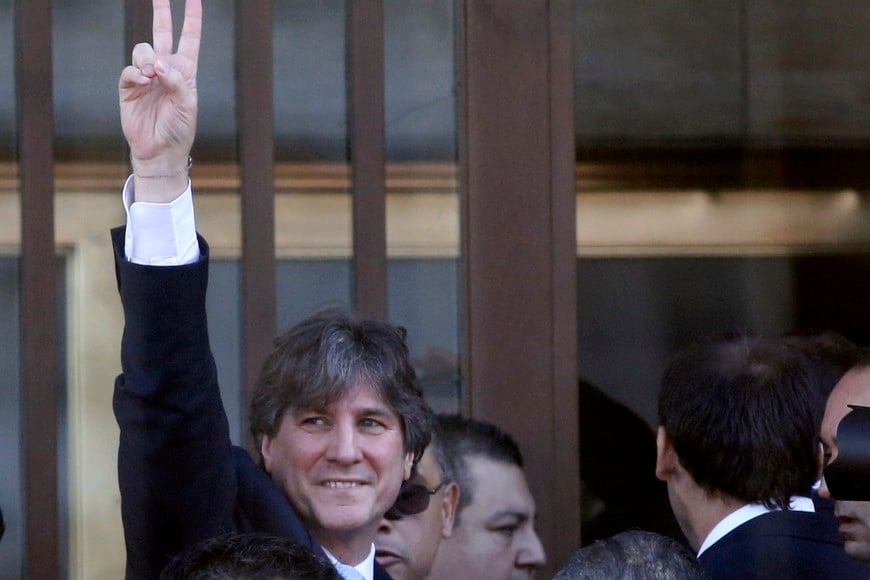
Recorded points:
(131, 76)
(143, 56)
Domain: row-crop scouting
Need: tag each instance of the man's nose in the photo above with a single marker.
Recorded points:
(385, 527)
(531, 554)
(343, 444)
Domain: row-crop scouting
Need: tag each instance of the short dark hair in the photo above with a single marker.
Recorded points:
(243, 556)
(739, 413)
(442, 457)
(464, 438)
(830, 355)
(631, 555)
(320, 359)
(862, 360)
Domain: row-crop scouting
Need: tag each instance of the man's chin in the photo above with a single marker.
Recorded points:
(343, 521)
(858, 550)
(393, 564)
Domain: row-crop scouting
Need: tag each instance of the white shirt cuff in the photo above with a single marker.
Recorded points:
(160, 234)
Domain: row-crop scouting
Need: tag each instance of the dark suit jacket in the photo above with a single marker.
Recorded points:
(783, 545)
(181, 479)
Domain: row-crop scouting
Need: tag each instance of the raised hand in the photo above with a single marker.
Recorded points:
(158, 96)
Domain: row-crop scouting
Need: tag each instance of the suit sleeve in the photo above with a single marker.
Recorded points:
(175, 464)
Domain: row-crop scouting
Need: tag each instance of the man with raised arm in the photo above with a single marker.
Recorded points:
(336, 413)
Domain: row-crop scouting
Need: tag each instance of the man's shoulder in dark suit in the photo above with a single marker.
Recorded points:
(782, 545)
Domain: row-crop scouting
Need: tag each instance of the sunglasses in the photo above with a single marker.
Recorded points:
(413, 499)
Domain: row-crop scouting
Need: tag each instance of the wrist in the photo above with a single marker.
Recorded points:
(160, 180)
(169, 170)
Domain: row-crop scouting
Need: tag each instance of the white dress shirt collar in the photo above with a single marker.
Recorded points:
(366, 567)
(749, 512)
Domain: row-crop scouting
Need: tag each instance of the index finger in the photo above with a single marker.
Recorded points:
(191, 33)
(161, 27)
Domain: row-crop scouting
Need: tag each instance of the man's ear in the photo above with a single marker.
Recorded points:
(449, 503)
(266, 452)
(666, 456)
(409, 465)
(820, 459)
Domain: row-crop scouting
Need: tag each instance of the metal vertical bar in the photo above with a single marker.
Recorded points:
(365, 81)
(39, 368)
(566, 467)
(516, 234)
(462, 156)
(255, 104)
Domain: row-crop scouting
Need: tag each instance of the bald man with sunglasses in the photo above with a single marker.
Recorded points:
(423, 515)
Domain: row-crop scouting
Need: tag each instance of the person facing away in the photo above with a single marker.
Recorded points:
(633, 555)
(736, 446)
(248, 556)
(336, 414)
(494, 530)
(411, 531)
(853, 516)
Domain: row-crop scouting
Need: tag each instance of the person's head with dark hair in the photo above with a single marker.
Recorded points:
(340, 421)
(494, 535)
(465, 438)
(854, 516)
(249, 556)
(830, 355)
(325, 358)
(736, 427)
(633, 555)
(423, 515)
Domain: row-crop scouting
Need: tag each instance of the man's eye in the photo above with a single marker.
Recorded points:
(371, 424)
(314, 421)
(507, 531)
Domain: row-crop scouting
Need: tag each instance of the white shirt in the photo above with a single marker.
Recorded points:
(366, 567)
(160, 234)
(750, 512)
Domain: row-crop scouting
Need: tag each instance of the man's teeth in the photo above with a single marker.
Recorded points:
(342, 484)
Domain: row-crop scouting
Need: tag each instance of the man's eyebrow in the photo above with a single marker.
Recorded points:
(377, 412)
(296, 411)
(502, 514)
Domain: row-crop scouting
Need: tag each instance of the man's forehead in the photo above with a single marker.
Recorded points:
(356, 397)
(501, 486)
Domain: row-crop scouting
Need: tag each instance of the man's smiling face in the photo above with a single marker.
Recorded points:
(340, 466)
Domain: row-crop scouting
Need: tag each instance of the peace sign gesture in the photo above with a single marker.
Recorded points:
(158, 96)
